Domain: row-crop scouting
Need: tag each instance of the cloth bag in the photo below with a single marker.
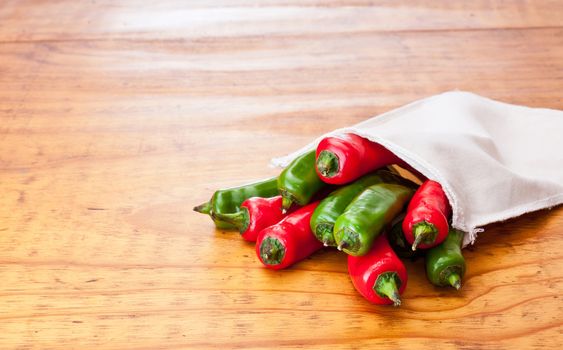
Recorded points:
(494, 160)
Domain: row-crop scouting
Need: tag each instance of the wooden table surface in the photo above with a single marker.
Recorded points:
(117, 117)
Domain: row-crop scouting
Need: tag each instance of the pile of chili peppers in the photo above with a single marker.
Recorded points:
(344, 195)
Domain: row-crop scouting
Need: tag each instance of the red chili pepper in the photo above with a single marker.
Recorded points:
(379, 276)
(289, 241)
(255, 214)
(426, 222)
(345, 158)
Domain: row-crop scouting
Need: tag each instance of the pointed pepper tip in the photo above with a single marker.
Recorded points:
(204, 208)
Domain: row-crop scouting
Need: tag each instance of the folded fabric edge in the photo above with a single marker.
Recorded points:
(285, 160)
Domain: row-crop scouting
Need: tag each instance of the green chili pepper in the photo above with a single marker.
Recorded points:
(398, 242)
(228, 201)
(364, 218)
(445, 265)
(299, 181)
(330, 208)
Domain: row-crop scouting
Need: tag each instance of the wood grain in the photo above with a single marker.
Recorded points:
(117, 117)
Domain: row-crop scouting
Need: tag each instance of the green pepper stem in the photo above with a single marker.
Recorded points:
(423, 232)
(350, 241)
(272, 251)
(323, 232)
(286, 203)
(204, 208)
(240, 219)
(386, 286)
(454, 280)
(327, 164)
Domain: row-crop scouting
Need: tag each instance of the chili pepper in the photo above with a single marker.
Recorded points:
(228, 201)
(364, 218)
(398, 242)
(426, 222)
(289, 241)
(347, 157)
(299, 181)
(379, 276)
(330, 208)
(445, 265)
(255, 214)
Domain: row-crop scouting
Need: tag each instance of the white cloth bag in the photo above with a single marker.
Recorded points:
(494, 160)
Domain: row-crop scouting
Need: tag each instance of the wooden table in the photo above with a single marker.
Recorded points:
(117, 117)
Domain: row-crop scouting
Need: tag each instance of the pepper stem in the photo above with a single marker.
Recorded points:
(350, 241)
(240, 219)
(454, 280)
(286, 203)
(424, 232)
(272, 251)
(323, 232)
(204, 208)
(327, 164)
(387, 286)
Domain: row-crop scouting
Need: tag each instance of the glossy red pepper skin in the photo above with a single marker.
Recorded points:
(289, 241)
(379, 262)
(354, 156)
(427, 216)
(262, 213)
